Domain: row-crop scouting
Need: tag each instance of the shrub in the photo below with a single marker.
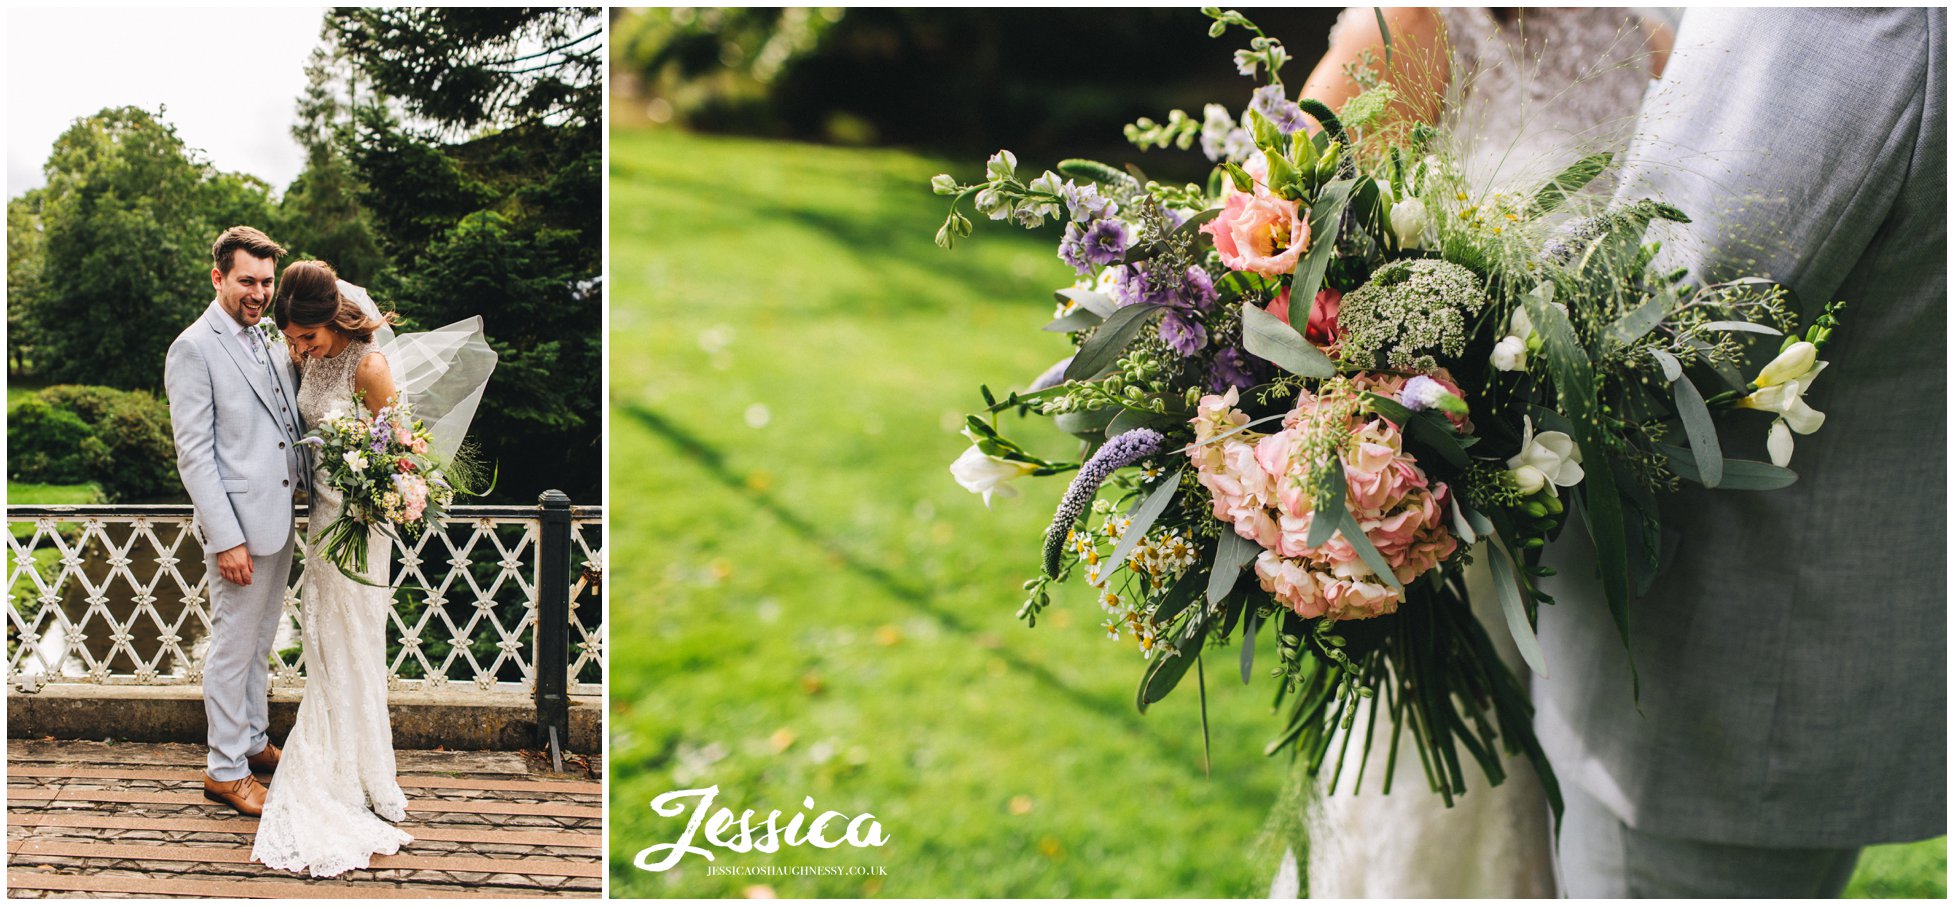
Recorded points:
(118, 439)
(44, 443)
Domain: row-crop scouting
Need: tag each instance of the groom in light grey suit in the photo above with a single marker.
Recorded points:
(1793, 651)
(234, 413)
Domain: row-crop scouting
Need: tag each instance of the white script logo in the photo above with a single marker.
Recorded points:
(863, 830)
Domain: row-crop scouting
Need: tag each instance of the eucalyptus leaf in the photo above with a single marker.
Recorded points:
(1743, 326)
(1143, 517)
(1461, 524)
(1702, 432)
(1326, 214)
(1167, 669)
(1086, 423)
(1110, 342)
(1330, 510)
(1079, 319)
(1368, 552)
(1636, 324)
(1517, 621)
(1232, 553)
(1738, 474)
(1128, 419)
(1251, 621)
(1098, 303)
(1266, 336)
(1671, 368)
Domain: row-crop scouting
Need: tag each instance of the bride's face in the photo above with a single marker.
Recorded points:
(316, 340)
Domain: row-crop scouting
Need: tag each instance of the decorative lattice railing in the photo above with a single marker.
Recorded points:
(118, 595)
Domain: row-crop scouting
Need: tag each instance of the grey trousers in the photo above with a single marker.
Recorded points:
(1600, 857)
(237, 674)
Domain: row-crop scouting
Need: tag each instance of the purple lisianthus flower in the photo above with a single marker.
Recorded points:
(1231, 368)
(1197, 289)
(1105, 242)
(1132, 286)
(1085, 203)
(1071, 250)
(1277, 108)
(1183, 333)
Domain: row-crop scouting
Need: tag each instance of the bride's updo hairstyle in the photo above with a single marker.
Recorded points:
(308, 296)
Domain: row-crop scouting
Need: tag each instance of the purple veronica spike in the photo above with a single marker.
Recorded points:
(1105, 242)
(1123, 450)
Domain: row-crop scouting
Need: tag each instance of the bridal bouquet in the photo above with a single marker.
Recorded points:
(380, 465)
(1315, 388)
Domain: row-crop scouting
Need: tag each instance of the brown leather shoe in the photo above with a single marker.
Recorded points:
(266, 761)
(245, 794)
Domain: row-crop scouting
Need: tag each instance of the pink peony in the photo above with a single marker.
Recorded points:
(1259, 233)
(1260, 485)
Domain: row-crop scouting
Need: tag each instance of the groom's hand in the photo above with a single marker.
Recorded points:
(235, 565)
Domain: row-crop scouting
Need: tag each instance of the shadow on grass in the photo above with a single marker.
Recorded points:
(714, 463)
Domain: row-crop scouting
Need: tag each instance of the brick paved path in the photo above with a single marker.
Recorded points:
(130, 820)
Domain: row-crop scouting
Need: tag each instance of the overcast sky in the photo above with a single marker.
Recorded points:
(63, 64)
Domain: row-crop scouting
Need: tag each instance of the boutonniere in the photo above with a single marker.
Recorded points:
(271, 337)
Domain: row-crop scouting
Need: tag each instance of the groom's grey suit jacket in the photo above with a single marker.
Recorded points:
(1793, 652)
(236, 424)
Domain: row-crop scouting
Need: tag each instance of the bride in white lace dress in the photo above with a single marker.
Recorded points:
(335, 790)
(1528, 92)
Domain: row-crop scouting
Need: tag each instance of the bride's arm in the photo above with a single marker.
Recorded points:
(1418, 69)
(375, 381)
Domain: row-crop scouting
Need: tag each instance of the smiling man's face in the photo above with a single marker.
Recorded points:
(245, 292)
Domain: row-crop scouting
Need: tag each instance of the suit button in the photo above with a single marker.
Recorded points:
(288, 482)
(281, 445)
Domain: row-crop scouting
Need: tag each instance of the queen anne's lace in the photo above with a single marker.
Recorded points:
(335, 781)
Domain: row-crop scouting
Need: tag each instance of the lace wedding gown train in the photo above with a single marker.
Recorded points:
(335, 779)
(1526, 101)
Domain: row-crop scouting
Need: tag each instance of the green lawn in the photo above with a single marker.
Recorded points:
(808, 606)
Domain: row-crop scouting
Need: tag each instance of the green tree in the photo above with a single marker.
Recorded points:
(320, 215)
(26, 255)
(128, 214)
(479, 150)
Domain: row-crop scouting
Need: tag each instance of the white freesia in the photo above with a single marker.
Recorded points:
(355, 460)
(1779, 443)
(1791, 374)
(1545, 460)
(981, 473)
(1510, 354)
(1788, 401)
(1408, 220)
(1793, 363)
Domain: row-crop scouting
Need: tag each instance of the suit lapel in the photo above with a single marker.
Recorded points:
(254, 373)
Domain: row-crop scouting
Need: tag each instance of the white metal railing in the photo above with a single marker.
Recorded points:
(117, 595)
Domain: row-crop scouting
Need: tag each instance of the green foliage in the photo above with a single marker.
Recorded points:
(26, 255)
(121, 440)
(44, 444)
(127, 217)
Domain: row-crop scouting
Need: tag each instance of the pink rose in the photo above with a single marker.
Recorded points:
(418, 445)
(1260, 233)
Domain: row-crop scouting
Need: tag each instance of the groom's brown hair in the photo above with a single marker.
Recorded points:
(247, 238)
